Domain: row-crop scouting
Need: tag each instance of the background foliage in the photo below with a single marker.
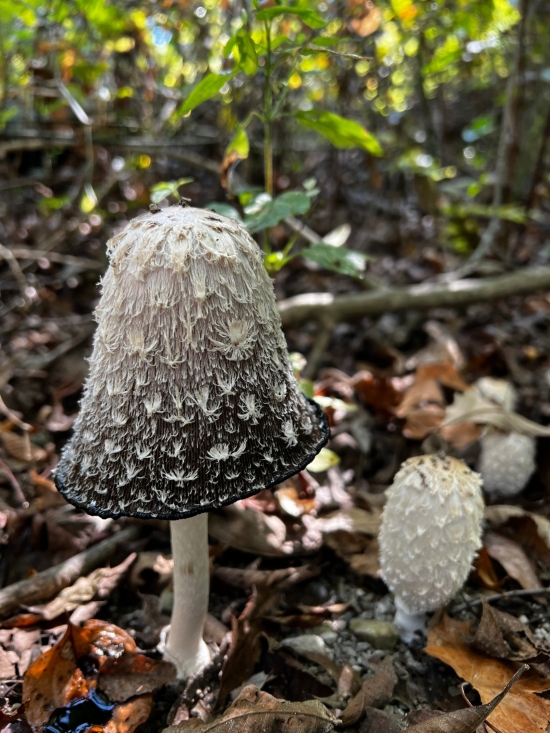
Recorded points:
(430, 98)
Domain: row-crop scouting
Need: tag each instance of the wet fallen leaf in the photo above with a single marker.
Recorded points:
(255, 711)
(133, 674)
(56, 680)
(291, 504)
(513, 559)
(521, 710)
(375, 692)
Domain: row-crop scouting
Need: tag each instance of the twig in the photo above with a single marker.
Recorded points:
(520, 593)
(17, 272)
(22, 253)
(320, 306)
(17, 490)
(45, 585)
(319, 348)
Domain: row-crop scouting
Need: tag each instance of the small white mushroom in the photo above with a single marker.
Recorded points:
(506, 460)
(430, 533)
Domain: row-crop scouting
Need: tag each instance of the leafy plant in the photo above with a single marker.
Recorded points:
(269, 45)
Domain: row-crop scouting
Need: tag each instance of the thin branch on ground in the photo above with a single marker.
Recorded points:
(45, 585)
(520, 593)
(461, 293)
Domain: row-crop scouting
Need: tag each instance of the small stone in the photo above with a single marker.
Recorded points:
(306, 644)
(379, 634)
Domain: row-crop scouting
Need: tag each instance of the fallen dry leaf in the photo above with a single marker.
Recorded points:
(381, 394)
(257, 533)
(504, 636)
(532, 530)
(21, 448)
(521, 710)
(468, 720)
(472, 407)
(98, 585)
(255, 711)
(375, 692)
(281, 578)
(513, 559)
(485, 571)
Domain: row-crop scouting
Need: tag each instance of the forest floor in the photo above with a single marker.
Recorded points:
(300, 624)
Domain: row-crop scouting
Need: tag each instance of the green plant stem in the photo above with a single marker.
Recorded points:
(268, 142)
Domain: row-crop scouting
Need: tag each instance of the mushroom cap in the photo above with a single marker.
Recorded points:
(506, 462)
(190, 402)
(431, 530)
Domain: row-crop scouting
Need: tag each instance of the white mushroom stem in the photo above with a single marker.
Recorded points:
(408, 622)
(185, 646)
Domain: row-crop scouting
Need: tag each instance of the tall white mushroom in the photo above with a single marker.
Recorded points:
(430, 532)
(191, 402)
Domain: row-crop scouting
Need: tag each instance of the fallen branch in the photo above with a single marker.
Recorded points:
(45, 585)
(327, 307)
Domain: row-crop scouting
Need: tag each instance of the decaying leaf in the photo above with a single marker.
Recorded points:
(375, 692)
(469, 719)
(504, 636)
(55, 679)
(513, 559)
(255, 711)
(21, 448)
(98, 585)
(280, 579)
(528, 528)
(520, 711)
(250, 531)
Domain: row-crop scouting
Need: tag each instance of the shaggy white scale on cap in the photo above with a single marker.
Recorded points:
(506, 462)
(431, 530)
(191, 402)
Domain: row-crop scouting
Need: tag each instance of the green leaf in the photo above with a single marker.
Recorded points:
(337, 259)
(207, 88)
(341, 132)
(239, 147)
(324, 460)
(274, 261)
(264, 212)
(224, 210)
(163, 189)
(244, 51)
(309, 17)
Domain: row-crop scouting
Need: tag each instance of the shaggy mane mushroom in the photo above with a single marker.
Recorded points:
(191, 402)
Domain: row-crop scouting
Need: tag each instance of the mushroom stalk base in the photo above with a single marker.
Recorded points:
(408, 622)
(185, 646)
